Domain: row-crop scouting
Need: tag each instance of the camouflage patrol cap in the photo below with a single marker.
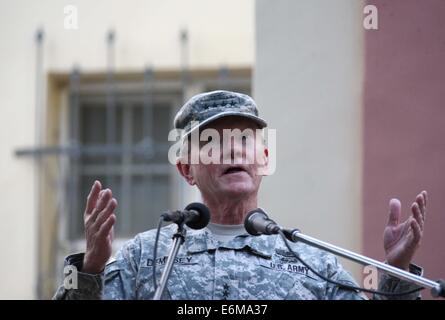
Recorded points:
(206, 107)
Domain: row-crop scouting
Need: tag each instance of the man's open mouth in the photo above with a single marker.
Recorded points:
(234, 169)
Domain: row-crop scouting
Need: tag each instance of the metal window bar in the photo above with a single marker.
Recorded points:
(110, 104)
(39, 37)
(148, 142)
(184, 39)
(74, 138)
(223, 77)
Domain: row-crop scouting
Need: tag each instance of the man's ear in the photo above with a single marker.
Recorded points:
(266, 160)
(185, 171)
(263, 163)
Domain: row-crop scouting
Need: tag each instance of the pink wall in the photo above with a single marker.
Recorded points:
(404, 122)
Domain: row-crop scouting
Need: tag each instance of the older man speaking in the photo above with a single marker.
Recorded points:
(222, 261)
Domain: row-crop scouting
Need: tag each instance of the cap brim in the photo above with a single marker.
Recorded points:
(261, 122)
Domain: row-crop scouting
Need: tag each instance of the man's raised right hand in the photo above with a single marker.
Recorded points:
(99, 218)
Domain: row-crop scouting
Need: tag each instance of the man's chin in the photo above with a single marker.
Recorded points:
(237, 189)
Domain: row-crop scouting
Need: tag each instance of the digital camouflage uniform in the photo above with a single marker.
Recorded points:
(246, 267)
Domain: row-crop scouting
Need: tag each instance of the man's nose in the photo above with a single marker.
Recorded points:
(237, 151)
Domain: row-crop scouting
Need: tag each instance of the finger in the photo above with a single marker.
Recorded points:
(93, 196)
(89, 219)
(420, 202)
(425, 199)
(417, 214)
(425, 196)
(417, 233)
(109, 209)
(105, 228)
(103, 215)
(111, 234)
(106, 196)
(394, 212)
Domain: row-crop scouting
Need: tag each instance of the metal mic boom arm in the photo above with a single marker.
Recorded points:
(437, 288)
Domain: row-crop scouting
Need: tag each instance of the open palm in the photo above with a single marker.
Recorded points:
(401, 239)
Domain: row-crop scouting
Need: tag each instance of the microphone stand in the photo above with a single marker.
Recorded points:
(195, 216)
(178, 240)
(437, 288)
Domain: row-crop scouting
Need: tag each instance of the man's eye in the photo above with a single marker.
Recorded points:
(244, 139)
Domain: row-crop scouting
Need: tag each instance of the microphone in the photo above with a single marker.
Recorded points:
(257, 223)
(196, 216)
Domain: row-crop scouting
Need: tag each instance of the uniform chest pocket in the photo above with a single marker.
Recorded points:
(290, 266)
(287, 275)
(176, 285)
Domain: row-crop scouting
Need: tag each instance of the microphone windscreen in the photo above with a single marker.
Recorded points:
(203, 218)
(252, 219)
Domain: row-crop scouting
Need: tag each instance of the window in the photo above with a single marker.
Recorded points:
(135, 167)
(128, 152)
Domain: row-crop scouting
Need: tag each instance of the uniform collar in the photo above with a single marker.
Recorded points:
(203, 240)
